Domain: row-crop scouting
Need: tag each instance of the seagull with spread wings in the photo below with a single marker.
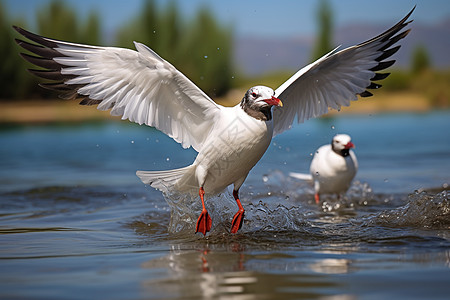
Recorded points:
(144, 88)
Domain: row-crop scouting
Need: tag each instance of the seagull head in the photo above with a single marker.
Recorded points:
(258, 101)
(341, 144)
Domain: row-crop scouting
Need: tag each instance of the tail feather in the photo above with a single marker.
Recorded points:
(301, 176)
(169, 179)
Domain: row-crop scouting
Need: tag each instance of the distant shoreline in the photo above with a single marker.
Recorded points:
(56, 110)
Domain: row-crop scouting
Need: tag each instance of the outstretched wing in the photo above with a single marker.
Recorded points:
(337, 78)
(137, 85)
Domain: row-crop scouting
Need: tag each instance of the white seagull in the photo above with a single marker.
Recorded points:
(146, 89)
(333, 167)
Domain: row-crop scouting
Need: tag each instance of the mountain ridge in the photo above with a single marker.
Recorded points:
(259, 55)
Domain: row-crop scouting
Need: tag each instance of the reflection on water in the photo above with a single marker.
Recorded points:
(211, 273)
(334, 242)
(76, 223)
(56, 238)
(245, 274)
(52, 236)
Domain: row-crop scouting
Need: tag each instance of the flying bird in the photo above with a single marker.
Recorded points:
(144, 88)
(333, 167)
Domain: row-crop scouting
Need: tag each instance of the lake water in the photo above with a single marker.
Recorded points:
(76, 223)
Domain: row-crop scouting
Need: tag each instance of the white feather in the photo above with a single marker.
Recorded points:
(142, 87)
(333, 81)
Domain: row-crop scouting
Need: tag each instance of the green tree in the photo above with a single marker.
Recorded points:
(58, 21)
(200, 48)
(90, 30)
(169, 33)
(15, 81)
(209, 60)
(323, 42)
(420, 60)
(143, 29)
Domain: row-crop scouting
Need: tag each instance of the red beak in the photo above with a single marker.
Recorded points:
(274, 101)
(349, 145)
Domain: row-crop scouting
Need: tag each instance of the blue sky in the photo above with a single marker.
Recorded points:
(279, 18)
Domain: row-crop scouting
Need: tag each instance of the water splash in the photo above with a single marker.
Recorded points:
(423, 210)
(262, 216)
(185, 209)
(281, 203)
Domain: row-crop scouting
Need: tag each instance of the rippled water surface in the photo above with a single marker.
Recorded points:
(76, 223)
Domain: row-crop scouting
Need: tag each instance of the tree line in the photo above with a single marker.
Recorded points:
(200, 47)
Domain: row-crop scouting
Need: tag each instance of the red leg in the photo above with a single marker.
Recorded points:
(317, 198)
(204, 220)
(238, 218)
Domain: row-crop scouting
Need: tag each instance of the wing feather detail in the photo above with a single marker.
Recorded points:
(137, 85)
(337, 78)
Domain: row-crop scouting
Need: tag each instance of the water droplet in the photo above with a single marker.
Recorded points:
(386, 180)
(332, 127)
(167, 159)
(265, 178)
(154, 31)
(311, 154)
(232, 77)
(218, 48)
(132, 142)
(206, 56)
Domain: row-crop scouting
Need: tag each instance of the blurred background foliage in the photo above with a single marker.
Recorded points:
(200, 47)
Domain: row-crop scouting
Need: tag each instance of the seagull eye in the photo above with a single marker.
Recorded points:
(254, 95)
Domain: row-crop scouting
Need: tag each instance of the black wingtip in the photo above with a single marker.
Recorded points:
(383, 65)
(41, 61)
(379, 76)
(22, 31)
(35, 37)
(366, 94)
(407, 16)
